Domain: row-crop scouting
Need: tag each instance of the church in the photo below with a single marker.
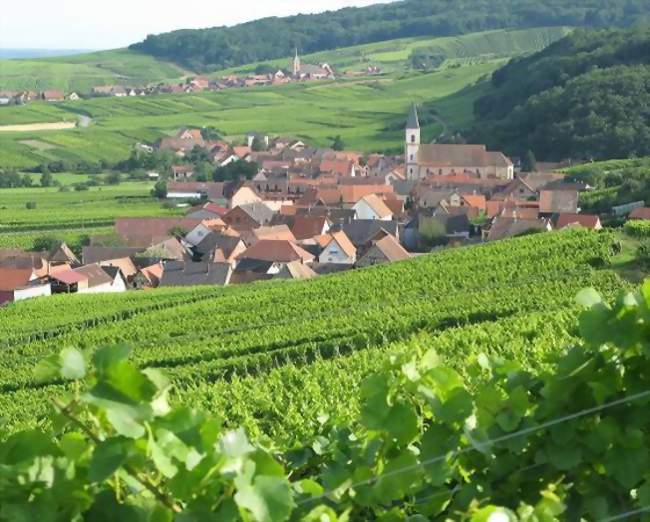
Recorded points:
(422, 160)
(303, 71)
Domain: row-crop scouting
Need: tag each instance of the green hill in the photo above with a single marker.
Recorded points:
(395, 55)
(586, 96)
(272, 38)
(82, 72)
(275, 370)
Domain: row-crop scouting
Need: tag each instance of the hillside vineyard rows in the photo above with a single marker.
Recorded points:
(273, 357)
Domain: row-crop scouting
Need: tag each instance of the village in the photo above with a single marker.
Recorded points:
(305, 212)
(298, 72)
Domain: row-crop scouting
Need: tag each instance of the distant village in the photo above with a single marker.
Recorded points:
(306, 212)
(299, 72)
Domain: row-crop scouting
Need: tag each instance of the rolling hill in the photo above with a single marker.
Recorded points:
(585, 96)
(207, 50)
(81, 72)
(367, 112)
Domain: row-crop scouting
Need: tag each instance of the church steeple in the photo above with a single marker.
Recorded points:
(296, 64)
(413, 121)
(412, 145)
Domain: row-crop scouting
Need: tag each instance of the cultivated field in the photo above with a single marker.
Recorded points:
(368, 114)
(71, 215)
(300, 354)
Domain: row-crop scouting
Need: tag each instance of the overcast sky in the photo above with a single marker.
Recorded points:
(101, 24)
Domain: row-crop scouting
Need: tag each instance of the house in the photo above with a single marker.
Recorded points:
(119, 281)
(384, 250)
(73, 96)
(182, 172)
(68, 282)
(95, 254)
(207, 211)
(188, 273)
(277, 251)
(362, 231)
(338, 167)
(18, 284)
(149, 276)
(308, 226)
(244, 195)
(170, 249)
(100, 280)
(213, 191)
(52, 96)
(280, 232)
(338, 249)
(567, 220)
(504, 227)
(62, 255)
(125, 265)
(199, 232)
(295, 271)
(640, 213)
(425, 159)
(372, 207)
(220, 248)
(558, 201)
(249, 217)
(146, 232)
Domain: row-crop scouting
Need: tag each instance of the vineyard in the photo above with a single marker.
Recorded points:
(27, 214)
(272, 357)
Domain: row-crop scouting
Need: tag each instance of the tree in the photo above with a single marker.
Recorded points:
(46, 178)
(432, 232)
(258, 144)
(159, 190)
(236, 170)
(113, 178)
(530, 163)
(338, 143)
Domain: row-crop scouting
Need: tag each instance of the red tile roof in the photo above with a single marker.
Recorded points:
(584, 220)
(640, 213)
(14, 278)
(305, 227)
(276, 251)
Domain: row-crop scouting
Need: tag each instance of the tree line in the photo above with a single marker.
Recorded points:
(272, 38)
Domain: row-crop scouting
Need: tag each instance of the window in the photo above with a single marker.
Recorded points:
(412, 138)
(411, 157)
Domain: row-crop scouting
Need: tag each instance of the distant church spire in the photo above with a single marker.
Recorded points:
(296, 64)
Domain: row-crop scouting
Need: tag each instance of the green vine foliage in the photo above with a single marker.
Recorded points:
(505, 444)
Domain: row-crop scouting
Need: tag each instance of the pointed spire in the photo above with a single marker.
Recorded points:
(413, 122)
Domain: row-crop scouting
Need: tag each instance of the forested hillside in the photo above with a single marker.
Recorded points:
(586, 96)
(270, 38)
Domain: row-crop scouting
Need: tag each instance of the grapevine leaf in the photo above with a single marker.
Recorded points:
(588, 297)
(402, 422)
(235, 444)
(107, 356)
(73, 445)
(269, 499)
(374, 401)
(107, 458)
(494, 514)
(400, 476)
(48, 368)
(73, 365)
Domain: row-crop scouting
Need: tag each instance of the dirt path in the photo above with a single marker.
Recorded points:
(30, 127)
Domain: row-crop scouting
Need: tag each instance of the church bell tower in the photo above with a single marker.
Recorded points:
(296, 64)
(412, 170)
